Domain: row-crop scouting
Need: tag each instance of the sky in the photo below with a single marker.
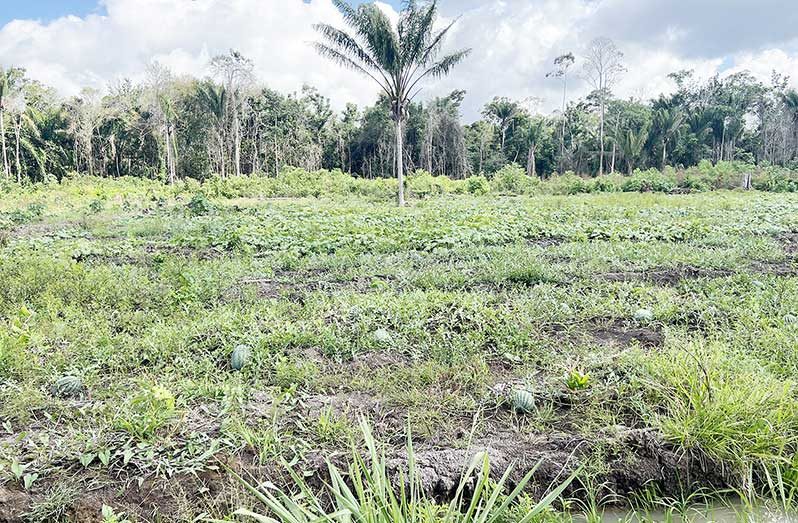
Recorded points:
(70, 44)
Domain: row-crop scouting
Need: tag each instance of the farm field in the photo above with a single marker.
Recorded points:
(647, 343)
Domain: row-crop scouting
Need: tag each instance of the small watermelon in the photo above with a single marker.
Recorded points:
(790, 319)
(522, 400)
(382, 336)
(644, 315)
(240, 357)
(67, 386)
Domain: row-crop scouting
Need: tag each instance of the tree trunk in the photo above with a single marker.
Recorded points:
(174, 156)
(562, 133)
(17, 130)
(612, 161)
(237, 151)
(170, 160)
(530, 162)
(722, 142)
(481, 154)
(601, 138)
(221, 156)
(400, 161)
(6, 169)
(746, 180)
(664, 153)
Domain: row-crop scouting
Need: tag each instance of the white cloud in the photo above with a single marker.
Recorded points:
(73, 52)
(513, 42)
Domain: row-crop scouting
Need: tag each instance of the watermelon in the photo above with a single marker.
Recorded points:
(644, 315)
(240, 357)
(67, 386)
(522, 400)
(790, 319)
(382, 336)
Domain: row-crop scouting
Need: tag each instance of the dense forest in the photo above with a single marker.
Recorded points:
(228, 124)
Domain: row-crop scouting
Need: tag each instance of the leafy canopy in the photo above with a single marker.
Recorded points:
(397, 58)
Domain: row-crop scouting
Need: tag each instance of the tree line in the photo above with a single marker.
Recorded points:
(227, 124)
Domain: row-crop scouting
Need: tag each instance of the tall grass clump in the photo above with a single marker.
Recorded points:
(724, 406)
(366, 492)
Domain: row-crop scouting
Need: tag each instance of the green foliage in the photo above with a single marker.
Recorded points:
(150, 409)
(365, 491)
(477, 185)
(423, 184)
(721, 402)
(577, 380)
(512, 179)
(651, 180)
(199, 205)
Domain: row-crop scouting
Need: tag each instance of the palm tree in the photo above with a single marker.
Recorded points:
(502, 111)
(631, 144)
(668, 122)
(396, 58)
(28, 140)
(533, 134)
(4, 89)
(43, 142)
(213, 99)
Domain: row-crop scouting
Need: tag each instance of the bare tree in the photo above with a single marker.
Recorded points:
(561, 65)
(86, 113)
(161, 105)
(602, 69)
(236, 72)
(8, 90)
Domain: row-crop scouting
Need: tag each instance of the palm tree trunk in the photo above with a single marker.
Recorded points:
(6, 169)
(17, 130)
(400, 175)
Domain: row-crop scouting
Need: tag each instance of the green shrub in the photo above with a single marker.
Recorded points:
(512, 179)
(607, 183)
(422, 183)
(199, 205)
(152, 408)
(569, 183)
(477, 185)
(776, 179)
(651, 180)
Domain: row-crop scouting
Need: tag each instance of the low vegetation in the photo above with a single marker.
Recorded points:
(158, 341)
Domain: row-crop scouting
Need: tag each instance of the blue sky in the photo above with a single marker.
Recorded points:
(46, 10)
